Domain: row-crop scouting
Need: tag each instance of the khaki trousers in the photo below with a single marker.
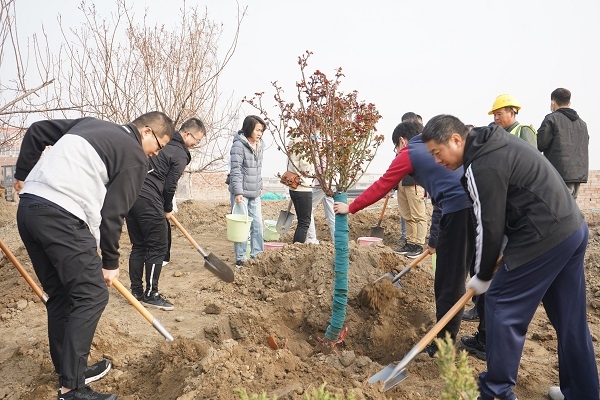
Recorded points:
(412, 208)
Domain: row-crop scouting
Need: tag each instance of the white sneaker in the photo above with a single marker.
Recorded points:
(165, 263)
(554, 393)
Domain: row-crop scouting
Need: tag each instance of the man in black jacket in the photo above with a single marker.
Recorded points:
(147, 221)
(523, 211)
(74, 199)
(563, 138)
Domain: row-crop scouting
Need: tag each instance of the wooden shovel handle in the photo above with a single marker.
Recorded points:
(185, 233)
(383, 209)
(40, 293)
(134, 302)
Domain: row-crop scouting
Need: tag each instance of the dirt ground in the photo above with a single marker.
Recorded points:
(221, 329)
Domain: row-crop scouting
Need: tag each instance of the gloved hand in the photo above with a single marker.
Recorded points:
(478, 285)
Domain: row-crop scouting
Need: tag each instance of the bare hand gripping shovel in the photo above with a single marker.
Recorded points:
(211, 262)
(395, 373)
(284, 222)
(44, 297)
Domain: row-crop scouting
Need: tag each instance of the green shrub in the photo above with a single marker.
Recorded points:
(458, 376)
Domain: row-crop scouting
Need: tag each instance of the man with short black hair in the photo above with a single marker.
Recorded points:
(147, 220)
(72, 200)
(563, 138)
(525, 213)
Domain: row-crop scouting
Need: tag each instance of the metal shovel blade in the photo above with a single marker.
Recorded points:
(284, 222)
(396, 380)
(377, 231)
(218, 267)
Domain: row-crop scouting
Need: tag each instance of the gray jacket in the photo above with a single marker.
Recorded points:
(245, 167)
(563, 137)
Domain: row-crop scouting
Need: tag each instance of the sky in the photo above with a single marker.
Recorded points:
(430, 57)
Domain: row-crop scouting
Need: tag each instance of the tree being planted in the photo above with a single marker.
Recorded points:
(336, 132)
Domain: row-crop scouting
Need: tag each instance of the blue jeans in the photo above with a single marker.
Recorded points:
(256, 229)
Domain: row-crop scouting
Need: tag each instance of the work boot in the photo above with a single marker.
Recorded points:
(415, 251)
(554, 393)
(473, 345)
(97, 371)
(157, 300)
(85, 393)
(471, 315)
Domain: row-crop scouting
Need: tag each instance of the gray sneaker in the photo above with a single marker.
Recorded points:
(157, 300)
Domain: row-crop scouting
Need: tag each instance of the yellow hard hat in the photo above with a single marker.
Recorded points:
(505, 100)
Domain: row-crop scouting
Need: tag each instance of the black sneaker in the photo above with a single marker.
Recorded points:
(473, 345)
(97, 371)
(239, 264)
(138, 296)
(415, 251)
(471, 315)
(431, 349)
(158, 301)
(404, 249)
(86, 394)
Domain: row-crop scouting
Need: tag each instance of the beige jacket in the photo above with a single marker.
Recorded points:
(305, 169)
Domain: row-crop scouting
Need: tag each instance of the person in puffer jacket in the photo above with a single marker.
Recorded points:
(563, 138)
(245, 182)
(526, 215)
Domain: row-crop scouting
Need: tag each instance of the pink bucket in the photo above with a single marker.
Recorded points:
(273, 245)
(368, 240)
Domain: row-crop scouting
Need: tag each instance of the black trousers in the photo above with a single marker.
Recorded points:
(147, 228)
(455, 253)
(303, 207)
(65, 258)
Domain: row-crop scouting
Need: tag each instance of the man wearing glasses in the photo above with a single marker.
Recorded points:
(72, 200)
(147, 221)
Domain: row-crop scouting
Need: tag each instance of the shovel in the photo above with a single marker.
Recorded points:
(284, 222)
(377, 230)
(395, 373)
(396, 277)
(38, 290)
(44, 297)
(211, 262)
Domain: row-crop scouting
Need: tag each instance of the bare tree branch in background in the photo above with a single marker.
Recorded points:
(18, 97)
(124, 67)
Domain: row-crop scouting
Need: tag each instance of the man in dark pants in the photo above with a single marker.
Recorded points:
(147, 221)
(451, 233)
(74, 199)
(524, 211)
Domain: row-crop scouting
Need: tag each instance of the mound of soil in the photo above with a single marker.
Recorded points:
(222, 330)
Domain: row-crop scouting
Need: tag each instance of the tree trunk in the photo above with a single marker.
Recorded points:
(340, 264)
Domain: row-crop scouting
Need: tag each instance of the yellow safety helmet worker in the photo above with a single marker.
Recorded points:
(505, 100)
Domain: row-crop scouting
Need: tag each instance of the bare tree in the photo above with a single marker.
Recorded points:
(21, 93)
(122, 67)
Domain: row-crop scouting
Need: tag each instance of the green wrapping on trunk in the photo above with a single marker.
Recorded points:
(340, 264)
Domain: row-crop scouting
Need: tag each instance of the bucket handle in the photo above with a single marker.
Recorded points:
(245, 209)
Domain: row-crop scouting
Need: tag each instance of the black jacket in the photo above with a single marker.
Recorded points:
(563, 138)
(164, 171)
(518, 194)
(95, 171)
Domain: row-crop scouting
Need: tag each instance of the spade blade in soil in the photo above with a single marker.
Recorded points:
(284, 222)
(218, 267)
(377, 231)
(396, 380)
